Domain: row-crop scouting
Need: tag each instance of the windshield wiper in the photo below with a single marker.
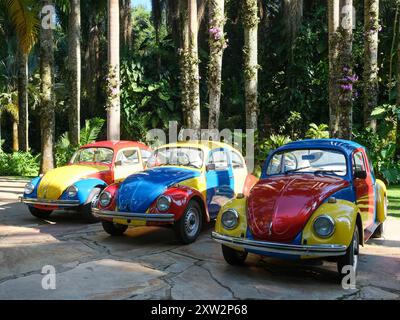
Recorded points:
(298, 169)
(327, 171)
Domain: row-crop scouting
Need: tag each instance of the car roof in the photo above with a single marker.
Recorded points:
(116, 144)
(204, 144)
(345, 146)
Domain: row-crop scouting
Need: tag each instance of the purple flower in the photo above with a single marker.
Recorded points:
(347, 87)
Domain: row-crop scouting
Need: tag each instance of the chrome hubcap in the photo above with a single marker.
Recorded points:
(95, 200)
(192, 222)
(355, 253)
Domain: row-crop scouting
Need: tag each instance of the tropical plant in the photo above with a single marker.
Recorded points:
(19, 164)
(318, 131)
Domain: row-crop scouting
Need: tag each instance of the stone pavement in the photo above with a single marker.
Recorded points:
(147, 263)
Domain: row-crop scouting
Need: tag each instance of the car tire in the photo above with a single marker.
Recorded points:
(41, 214)
(86, 209)
(234, 257)
(114, 229)
(188, 228)
(378, 233)
(351, 256)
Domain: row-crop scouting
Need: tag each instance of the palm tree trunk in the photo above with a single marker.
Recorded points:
(250, 50)
(113, 79)
(47, 117)
(217, 46)
(74, 64)
(333, 21)
(23, 110)
(397, 152)
(345, 106)
(371, 30)
(293, 14)
(193, 71)
(15, 145)
(126, 24)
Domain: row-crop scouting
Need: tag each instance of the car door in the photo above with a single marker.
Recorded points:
(127, 162)
(239, 171)
(364, 188)
(219, 180)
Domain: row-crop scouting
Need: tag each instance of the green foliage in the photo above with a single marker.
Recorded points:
(19, 164)
(89, 133)
(318, 131)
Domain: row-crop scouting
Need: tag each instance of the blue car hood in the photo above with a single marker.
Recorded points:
(139, 190)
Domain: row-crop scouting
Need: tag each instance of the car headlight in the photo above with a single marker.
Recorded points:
(324, 226)
(105, 198)
(29, 188)
(72, 192)
(230, 219)
(163, 203)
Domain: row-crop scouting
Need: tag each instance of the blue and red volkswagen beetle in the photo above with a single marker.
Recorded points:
(185, 184)
(315, 199)
(78, 184)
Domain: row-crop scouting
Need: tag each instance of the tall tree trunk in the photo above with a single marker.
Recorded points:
(126, 24)
(23, 109)
(113, 79)
(345, 106)
(15, 144)
(397, 153)
(184, 62)
(74, 65)
(333, 21)
(217, 46)
(371, 90)
(250, 21)
(293, 14)
(47, 118)
(194, 121)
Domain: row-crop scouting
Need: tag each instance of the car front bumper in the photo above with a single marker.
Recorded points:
(50, 203)
(150, 217)
(323, 250)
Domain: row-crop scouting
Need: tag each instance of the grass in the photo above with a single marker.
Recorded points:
(394, 201)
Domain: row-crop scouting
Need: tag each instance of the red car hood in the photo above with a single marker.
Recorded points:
(279, 207)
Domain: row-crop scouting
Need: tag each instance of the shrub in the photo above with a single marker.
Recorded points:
(19, 164)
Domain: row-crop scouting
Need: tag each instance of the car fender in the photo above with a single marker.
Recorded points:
(345, 215)
(35, 182)
(381, 201)
(180, 196)
(85, 187)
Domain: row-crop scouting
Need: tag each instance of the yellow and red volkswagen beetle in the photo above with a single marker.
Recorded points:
(315, 199)
(185, 184)
(77, 185)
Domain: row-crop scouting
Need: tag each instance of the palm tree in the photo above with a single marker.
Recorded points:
(250, 51)
(293, 14)
(217, 46)
(47, 116)
(126, 24)
(371, 30)
(333, 22)
(74, 66)
(113, 79)
(23, 14)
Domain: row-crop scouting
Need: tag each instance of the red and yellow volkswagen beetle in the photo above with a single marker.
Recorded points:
(315, 199)
(77, 185)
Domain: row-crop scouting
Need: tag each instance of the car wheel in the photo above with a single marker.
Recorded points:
(188, 228)
(86, 209)
(378, 233)
(234, 257)
(41, 214)
(351, 256)
(114, 229)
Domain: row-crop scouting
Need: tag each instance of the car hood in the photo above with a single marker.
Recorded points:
(139, 190)
(54, 182)
(279, 207)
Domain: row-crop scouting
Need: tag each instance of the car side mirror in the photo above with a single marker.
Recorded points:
(360, 175)
(210, 167)
(118, 163)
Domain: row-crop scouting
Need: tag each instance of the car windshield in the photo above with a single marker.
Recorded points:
(309, 161)
(176, 156)
(100, 155)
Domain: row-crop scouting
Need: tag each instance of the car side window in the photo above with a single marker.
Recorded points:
(128, 157)
(145, 155)
(220, 159)
(358, 162)
(237, 162)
